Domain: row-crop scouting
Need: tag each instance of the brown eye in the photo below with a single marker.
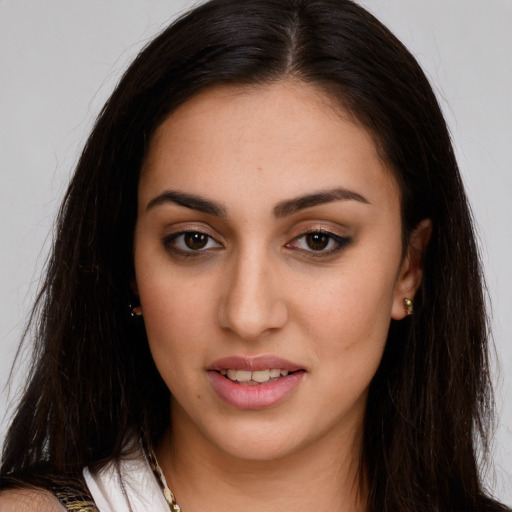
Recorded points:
(195, 241)
(317, 241)
(190, 243)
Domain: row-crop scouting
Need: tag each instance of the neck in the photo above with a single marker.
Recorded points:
(323, 476)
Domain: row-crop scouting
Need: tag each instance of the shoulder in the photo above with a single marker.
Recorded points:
(29, 500)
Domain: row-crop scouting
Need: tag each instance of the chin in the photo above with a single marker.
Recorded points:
(260, 448)
(256, 436)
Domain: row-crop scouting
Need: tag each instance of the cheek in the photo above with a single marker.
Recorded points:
(178, 316)
(348, 303)
(174, 304)
(348, 322)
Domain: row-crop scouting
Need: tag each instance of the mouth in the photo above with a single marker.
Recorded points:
(255, 383)
(254, 378)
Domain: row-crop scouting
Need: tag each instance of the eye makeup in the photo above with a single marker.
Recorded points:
(190, 243)
(319, 242)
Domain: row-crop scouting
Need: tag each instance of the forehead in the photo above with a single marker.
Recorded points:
(275, 140)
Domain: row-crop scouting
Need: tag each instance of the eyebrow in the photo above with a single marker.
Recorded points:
(285, 208)
(192, 201)
(282, 209)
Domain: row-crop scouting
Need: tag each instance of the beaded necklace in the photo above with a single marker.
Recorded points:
(160, 478)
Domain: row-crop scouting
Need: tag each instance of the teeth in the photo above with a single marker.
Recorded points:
(256, 376)
(242, 375)
(261, 376)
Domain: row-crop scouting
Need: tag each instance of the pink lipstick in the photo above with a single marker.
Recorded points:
(254, 383)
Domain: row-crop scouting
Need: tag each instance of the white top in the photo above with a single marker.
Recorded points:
(126, 485)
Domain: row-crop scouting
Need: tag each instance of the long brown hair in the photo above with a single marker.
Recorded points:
(93, 379)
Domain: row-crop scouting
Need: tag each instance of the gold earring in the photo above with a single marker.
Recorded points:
(135, 311)
(408, 306)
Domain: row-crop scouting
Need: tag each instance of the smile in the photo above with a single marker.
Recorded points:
(254, 378)
(255, 382)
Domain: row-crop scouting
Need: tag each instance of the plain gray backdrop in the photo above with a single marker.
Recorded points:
(60, 59)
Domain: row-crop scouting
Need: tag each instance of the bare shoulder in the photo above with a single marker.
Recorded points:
(29, 500)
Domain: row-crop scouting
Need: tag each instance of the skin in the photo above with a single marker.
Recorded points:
(258, 288)
(28, 500)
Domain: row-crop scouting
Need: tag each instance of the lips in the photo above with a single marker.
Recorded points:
(247, 377)
(254, 383)
(252, 364)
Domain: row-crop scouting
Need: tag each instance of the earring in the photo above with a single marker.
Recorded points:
(408, 306)
(135, 311)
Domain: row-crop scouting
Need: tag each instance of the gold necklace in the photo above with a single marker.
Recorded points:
(160, 477)
(169, 496)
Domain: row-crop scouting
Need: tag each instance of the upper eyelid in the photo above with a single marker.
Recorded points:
(321, 224)
(205, 230)
(321, 229)
(176, 231)
(331, 234)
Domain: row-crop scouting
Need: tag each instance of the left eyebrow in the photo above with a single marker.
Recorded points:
(288, 207)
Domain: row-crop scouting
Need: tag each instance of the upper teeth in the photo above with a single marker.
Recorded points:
(257, 376)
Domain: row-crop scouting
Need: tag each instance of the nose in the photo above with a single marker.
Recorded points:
(253, 302)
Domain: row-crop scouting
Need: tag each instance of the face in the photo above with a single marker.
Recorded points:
(268, 263)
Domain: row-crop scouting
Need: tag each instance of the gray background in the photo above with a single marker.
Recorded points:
(60, 59)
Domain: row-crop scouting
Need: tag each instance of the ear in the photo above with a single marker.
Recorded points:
(411, 271)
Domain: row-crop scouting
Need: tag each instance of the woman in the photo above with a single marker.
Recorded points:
(272, 189)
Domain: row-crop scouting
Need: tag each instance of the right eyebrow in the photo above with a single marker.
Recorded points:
(192, 201)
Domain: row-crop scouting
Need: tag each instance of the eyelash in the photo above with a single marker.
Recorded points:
(170, 244)
(340, 242)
